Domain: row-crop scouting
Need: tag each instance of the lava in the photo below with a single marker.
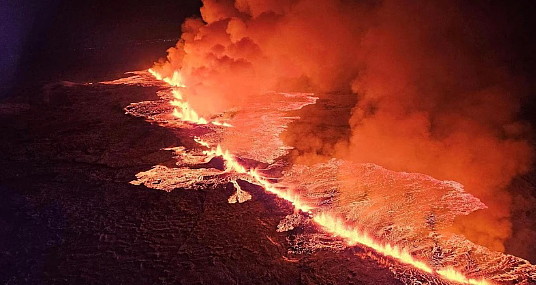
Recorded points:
(232, 165)
(183, 111)
(329, 222)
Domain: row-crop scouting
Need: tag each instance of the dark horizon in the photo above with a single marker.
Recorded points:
(55, 40)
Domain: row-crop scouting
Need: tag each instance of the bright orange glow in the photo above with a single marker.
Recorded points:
(240, 196)
(183, 110)
(339, 228)
(201, 142)
(223, 124)
(329, 222)
(450, 273)
(175, 80)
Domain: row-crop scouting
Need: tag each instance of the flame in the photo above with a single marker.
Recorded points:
(223, 124)
(327, 221)
(331, 224)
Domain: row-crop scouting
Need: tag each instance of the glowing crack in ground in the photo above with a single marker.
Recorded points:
(404, 216)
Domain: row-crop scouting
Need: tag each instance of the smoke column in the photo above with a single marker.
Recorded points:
(433, 88)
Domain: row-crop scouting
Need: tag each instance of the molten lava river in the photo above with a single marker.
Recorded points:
(399, 219)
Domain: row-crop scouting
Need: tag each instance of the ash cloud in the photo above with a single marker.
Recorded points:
(435, 93)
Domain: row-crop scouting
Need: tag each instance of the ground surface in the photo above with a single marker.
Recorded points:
(68, 214)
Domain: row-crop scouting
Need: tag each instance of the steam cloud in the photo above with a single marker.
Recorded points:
(433, 92)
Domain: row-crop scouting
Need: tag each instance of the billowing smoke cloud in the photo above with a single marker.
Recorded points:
(433, 93)
(248, 47)
(432, 99)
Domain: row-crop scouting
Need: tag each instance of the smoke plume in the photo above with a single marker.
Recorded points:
(433, 89)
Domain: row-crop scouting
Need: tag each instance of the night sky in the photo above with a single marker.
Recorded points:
(55, 40)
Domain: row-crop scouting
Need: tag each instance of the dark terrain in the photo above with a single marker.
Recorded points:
(69, 215)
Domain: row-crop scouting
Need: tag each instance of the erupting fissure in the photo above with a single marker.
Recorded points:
(329, 222)
(183, 110)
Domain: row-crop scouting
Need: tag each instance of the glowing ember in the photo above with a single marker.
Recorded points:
(175, 80)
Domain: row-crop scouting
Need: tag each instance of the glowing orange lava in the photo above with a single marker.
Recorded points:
(183, 110)
(327, 221)
(352, 236)
(452, 274)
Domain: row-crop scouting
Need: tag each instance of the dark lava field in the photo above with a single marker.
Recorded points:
(69, 215)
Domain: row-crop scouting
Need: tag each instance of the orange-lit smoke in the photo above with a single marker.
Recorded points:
(432, 93)
(434, 99)
(247, 48)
